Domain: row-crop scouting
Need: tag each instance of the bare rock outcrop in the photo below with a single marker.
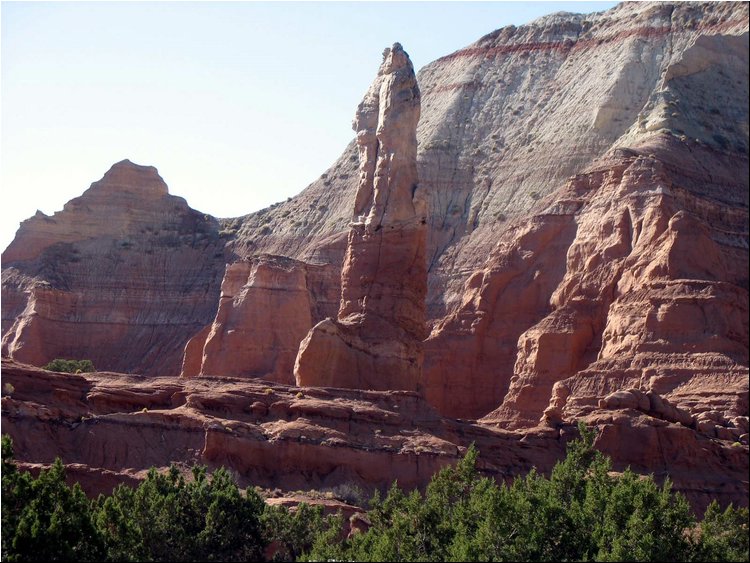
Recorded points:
(110, 428)
(375, 342)
(123, 276)
(508, 119)
(265, 310)
(637, 266)
(651, 285)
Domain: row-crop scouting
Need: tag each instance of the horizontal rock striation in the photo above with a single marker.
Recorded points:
(111, 428)
(627, 268)
(267, 306)
(507, 120)
(123, 276)
(638, 264)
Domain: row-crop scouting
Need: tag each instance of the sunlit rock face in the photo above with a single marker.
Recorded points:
(376, 340)
(635, 266)
(123, 276)
(586, 247)
(264, 311)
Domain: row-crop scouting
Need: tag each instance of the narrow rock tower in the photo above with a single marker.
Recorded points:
(376, 341)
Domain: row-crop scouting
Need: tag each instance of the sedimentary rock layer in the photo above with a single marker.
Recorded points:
(267, 306)
(123, 275)
(628, 266)
(376, 341)
(637, 265)
(507, 120)
(111, 428)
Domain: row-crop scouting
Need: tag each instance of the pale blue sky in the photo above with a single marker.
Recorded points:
(238, 104)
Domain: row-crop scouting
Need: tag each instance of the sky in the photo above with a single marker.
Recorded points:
(237, 104)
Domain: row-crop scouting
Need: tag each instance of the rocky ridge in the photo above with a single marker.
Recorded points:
(587, 250)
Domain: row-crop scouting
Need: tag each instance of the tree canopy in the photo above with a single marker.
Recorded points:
(581, 512)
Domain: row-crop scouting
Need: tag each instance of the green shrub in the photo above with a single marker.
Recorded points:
(170, 519)
(724, 534)
(43, 519)
(293, 533)
(70, 366)
(166, 518)
(582, 512)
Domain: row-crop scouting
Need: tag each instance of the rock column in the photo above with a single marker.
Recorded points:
(376, 341)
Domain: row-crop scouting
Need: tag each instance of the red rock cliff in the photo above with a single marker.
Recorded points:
(587, 254)
(376, 341)
(267, 306)
(123, 275)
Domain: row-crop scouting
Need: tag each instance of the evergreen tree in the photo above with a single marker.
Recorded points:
(293, 533)
(170, 519)
(723, 534)
(44, 519)
(580, 513)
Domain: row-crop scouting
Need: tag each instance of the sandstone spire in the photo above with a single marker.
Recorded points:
(376, 342)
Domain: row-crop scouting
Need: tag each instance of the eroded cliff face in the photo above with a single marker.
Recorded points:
(638, 265)
(111, 428)
(647, 293)
(586, 242)
(267, 306)
(376, 340)
(123, 275)
(507, 120)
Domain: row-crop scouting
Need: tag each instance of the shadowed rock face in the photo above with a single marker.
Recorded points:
(587, 242)
(123, 275)
(375, 343)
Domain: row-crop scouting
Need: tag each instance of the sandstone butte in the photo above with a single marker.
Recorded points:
(584, 182)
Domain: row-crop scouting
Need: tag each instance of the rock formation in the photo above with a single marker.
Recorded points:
(510, 118)
(110, 428)
(265, 310)
(586, 240)
(630, 266)
(375, 343)
(123, 276)
(646, 294)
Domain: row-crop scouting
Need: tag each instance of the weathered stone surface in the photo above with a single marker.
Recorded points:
(587, 247)
(508, 119)
(123, 275)
(647, 287)
(111, 428)
(264, 312)
(642, 78)
(670, 207)
(375, 343)
(102, 208)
